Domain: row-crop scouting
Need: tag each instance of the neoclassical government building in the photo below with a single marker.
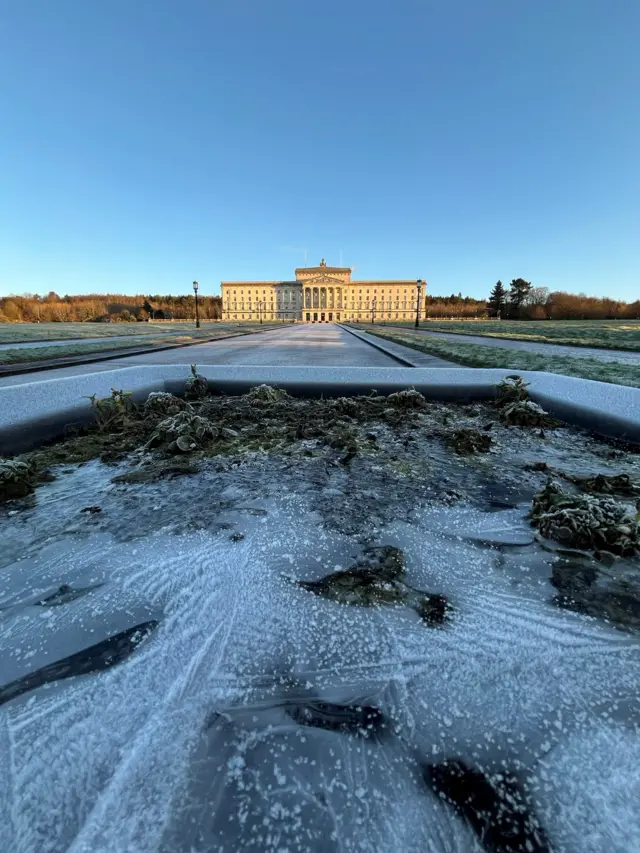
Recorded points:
(320, 294)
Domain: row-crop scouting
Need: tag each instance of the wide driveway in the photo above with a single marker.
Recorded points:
(300, 345)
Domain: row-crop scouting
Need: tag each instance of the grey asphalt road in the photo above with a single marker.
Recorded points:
(621, 356)
(326, 345)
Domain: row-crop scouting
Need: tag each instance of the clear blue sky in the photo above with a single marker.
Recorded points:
(145, 143)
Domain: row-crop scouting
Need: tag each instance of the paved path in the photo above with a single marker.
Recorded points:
(315, 346)
(621, 356)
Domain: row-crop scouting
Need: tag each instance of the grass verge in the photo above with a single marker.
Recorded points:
(18, 333)
(476, 355)
(43, 353)
(601, 334)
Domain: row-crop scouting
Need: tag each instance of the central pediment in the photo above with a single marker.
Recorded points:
(323, 278)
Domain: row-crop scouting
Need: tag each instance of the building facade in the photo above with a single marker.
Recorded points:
(320, 294)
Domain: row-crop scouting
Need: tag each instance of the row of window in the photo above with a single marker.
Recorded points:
(294, 294)
(349, 312)
(388, 316)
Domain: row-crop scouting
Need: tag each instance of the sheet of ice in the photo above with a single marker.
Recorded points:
(186, 746)
(592, 773)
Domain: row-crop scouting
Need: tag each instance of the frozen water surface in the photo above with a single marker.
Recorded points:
(203, 734)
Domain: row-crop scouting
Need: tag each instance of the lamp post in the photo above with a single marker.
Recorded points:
(195, 290)
(373, 310)
(418, 291)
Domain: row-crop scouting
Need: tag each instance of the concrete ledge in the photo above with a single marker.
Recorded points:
(33, 412)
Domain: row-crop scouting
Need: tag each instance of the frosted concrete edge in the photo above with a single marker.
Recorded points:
(33, 412)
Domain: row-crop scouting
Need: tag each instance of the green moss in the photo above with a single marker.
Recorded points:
(468, 440)
(17, 479)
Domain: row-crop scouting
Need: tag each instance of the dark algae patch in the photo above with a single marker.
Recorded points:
(494, 805)
(98, 658)
(378, 578)
(362, 720)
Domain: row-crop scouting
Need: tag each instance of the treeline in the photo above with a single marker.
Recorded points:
(459, 307)
(520, 301)
(523, 301)
(109, 307)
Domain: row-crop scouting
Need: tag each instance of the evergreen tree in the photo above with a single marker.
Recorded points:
(519, 290)
(497, 301)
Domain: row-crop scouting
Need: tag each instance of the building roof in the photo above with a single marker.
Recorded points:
(242, 283)
(319, 270)
(299, 282)
(322, 268)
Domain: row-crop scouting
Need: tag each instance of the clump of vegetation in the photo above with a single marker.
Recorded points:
(467, 440)
(17, 479)
(526, 414)
(349, 406)
(196, 386)
(585, 521)
(114, 413)
(604, 484)
(265, 395)
(407, 399)
(372, 581)
(515, 407)
(163, 404)
(378, 579)
(182, 433)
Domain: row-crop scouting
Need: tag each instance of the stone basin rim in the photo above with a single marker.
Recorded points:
(38, 411)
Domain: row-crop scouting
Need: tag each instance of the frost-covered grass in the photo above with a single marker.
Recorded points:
(608, 334)
(476, 355)
(13, 333)
(32, 354)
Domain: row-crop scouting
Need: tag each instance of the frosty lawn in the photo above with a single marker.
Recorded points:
(34, 354)
(475, 355)
(608, 334)
(25, 332)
